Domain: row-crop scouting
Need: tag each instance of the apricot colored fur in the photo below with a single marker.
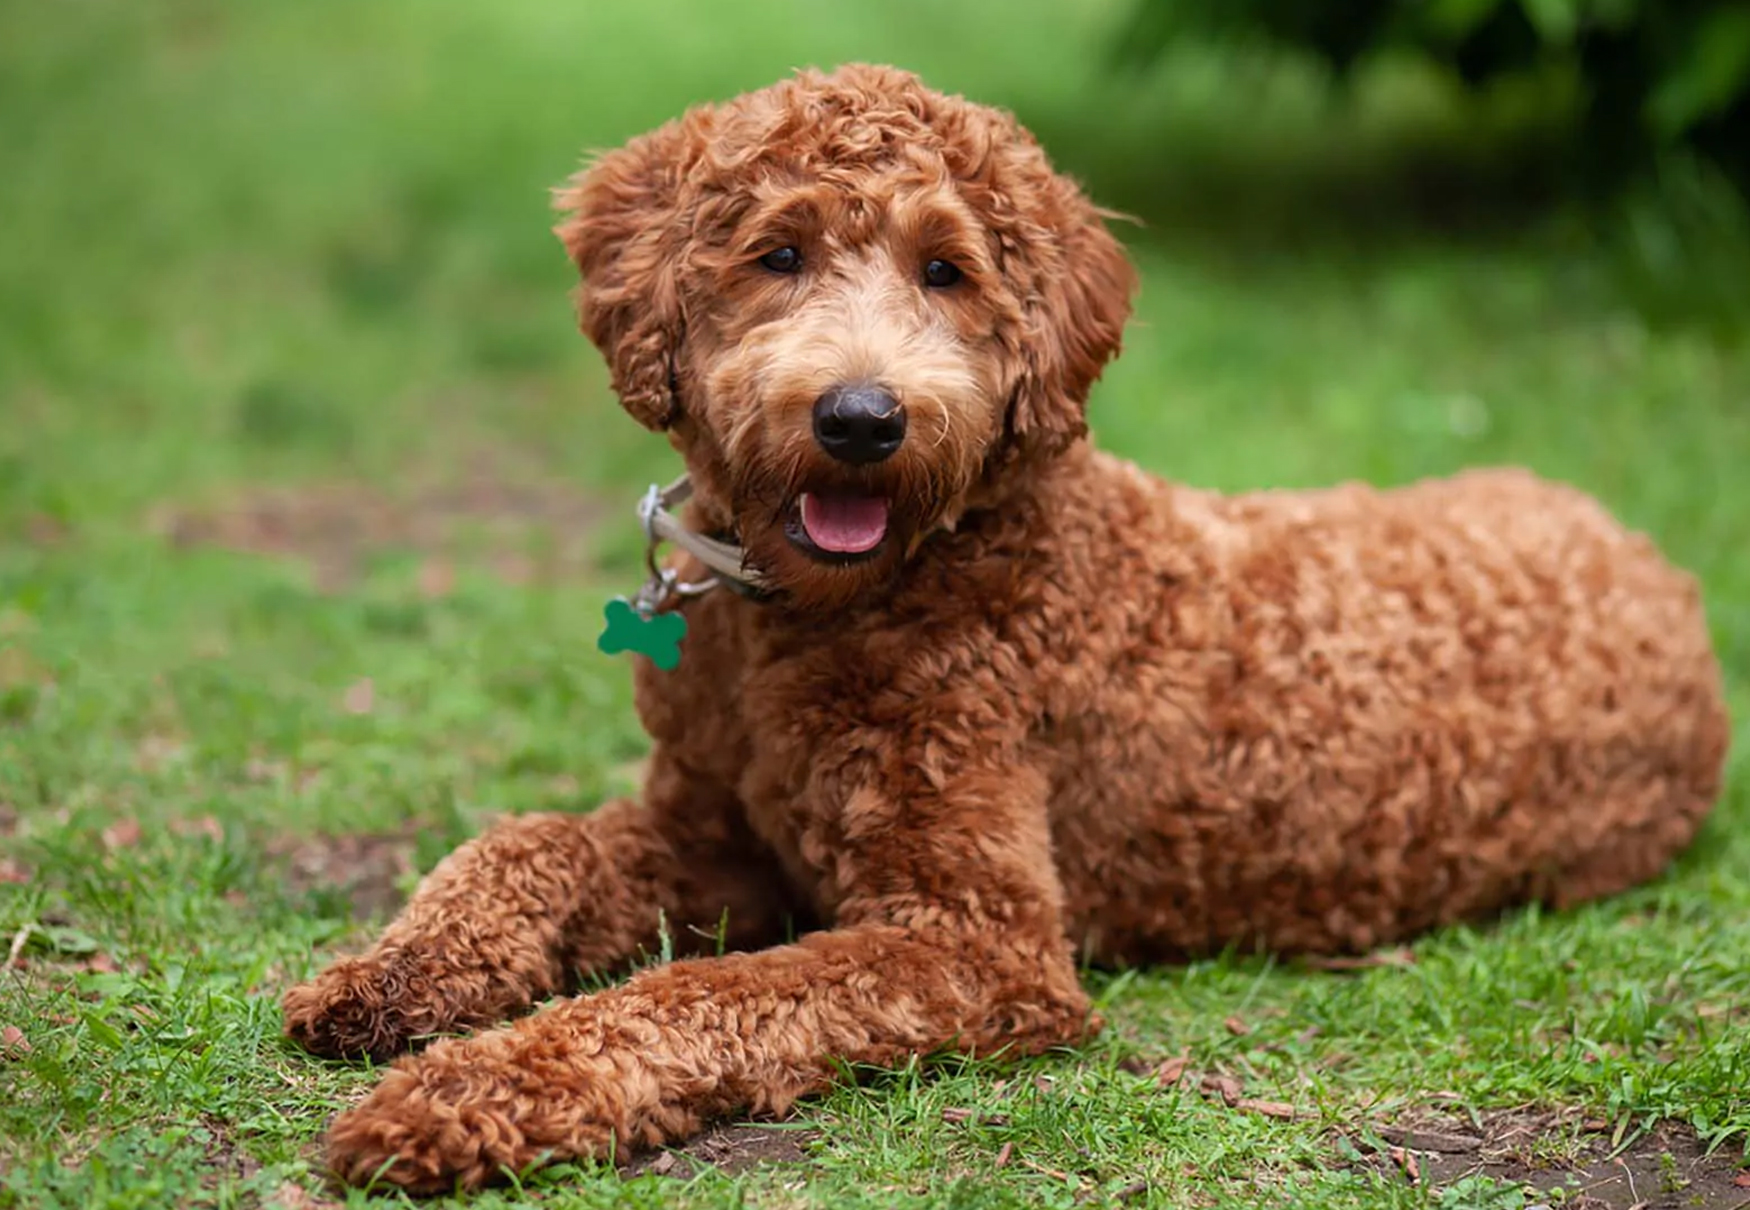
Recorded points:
(1067, 711)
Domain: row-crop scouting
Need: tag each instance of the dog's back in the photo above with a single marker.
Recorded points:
(1324, 720)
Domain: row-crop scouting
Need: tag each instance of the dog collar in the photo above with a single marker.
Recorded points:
(726, 562)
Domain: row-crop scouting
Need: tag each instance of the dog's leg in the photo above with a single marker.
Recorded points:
(538, 901)
(951, 937)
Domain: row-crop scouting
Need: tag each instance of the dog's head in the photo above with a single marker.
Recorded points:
(856, 305)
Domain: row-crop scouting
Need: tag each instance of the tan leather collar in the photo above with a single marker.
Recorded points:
(726, 562)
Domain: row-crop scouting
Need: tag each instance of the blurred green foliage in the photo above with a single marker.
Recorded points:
(1652, 75)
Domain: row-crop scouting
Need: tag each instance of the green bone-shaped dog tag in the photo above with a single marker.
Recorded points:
(657, 637)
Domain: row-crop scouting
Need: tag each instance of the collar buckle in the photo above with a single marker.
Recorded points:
(727, 563)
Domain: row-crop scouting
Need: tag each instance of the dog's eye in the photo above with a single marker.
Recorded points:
(940, 274)
(783, 260)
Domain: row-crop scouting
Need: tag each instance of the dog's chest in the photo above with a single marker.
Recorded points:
(757, 720)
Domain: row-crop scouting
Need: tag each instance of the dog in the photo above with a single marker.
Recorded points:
(964, 702)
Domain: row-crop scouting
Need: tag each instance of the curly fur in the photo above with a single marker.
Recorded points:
(1069, 710)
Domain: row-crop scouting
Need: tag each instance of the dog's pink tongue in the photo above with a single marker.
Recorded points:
(845, 525)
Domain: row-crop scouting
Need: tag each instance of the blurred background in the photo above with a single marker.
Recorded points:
(288, 367)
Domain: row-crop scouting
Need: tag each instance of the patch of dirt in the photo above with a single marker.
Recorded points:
(223, 1155)
(295, 1197)
(1666, 1168)
(40, 530)
(729, 1149)
(367, 869)
(522, 530)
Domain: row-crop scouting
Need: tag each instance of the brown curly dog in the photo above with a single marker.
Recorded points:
(988, 702)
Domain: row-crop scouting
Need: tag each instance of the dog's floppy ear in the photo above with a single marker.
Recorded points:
(1073, 322)
(623, 230)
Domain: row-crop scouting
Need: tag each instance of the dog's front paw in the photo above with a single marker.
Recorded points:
(366, 1007)
(467, 1113)
(406, 1135)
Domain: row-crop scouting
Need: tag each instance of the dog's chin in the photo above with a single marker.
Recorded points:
(813, 565)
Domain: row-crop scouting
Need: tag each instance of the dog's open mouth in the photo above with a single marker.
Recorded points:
(839, 526)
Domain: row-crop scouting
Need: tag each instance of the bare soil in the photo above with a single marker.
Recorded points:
(729, 1149)
(523, 531)
(368, 869)
(1666, 1168)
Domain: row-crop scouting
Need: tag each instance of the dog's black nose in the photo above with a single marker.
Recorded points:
(859, 425)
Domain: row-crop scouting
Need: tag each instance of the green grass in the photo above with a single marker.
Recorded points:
(305, 246)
